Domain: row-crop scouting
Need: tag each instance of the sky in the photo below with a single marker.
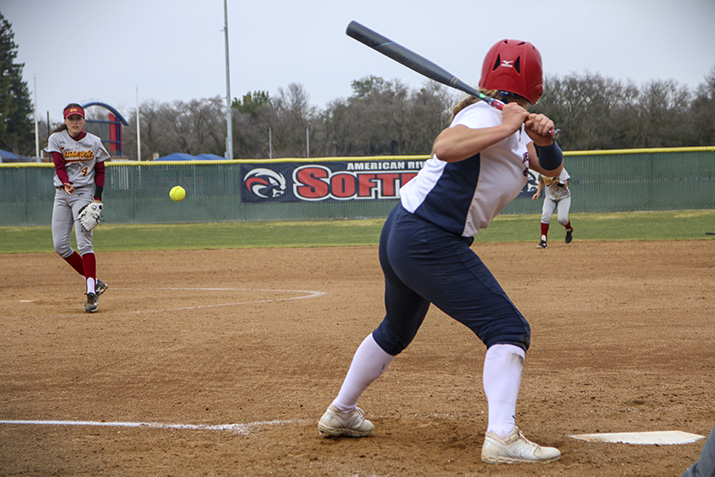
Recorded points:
(115, 51)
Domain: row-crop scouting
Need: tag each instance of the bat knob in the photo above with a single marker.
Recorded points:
(554, 134)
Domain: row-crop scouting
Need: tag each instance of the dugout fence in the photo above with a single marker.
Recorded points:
(349, 188)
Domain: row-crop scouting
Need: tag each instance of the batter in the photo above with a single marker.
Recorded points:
(79, 179)
(479, 164)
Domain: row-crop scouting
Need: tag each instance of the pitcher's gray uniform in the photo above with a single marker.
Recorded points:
(79, 180)
(80, 159)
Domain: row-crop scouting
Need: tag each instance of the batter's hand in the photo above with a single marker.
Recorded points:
(69, 187)
(538, 127)
(514, 116)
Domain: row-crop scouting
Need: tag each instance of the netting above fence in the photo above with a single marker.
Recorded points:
(349, 188)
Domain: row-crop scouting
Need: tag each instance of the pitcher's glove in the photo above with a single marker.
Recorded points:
(90, 215)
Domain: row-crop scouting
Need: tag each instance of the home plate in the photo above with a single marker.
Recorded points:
(642, 438)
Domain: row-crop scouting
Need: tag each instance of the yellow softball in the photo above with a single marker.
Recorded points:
(177, 193)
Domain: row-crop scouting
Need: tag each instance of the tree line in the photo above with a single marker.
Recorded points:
(384, 117)
(380, 117)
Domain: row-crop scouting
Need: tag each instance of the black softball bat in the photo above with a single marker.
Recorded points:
(418, 63)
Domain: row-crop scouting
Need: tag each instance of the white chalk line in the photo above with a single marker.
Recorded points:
(643, 438)
(309, 294)
(242, 429)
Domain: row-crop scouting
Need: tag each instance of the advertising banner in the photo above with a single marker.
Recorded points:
(335, 180)
(326, 181)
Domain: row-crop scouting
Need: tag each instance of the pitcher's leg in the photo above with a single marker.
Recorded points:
(62, 226)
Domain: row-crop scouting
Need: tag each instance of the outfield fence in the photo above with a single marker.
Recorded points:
(349, 188)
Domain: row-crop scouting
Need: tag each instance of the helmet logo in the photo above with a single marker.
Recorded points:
(507, 63)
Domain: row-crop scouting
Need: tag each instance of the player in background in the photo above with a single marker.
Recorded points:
(479, 164)
(79, 164)
(558, 196)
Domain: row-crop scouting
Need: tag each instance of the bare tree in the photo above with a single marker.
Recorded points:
(430, 110)
(664, 118)
(290, 124)
(589, 109)
(703, 111)
(195, 127)
(155, 133)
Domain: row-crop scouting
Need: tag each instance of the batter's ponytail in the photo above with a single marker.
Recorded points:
(469, 100)
(502, 96)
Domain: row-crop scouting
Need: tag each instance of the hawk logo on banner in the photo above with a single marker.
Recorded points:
(265, 183)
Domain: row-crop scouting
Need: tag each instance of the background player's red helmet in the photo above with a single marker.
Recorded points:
(513, 66)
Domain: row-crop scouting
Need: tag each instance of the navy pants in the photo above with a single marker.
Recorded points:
(706, 465)
(424, 264)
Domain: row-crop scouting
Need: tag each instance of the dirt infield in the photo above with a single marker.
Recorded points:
(193, 341)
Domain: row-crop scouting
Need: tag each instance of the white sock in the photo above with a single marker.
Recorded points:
(90, 286)
(503, 364)
(368, 364)
(543, 237)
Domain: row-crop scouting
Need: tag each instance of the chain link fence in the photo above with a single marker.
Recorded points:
(349, 188)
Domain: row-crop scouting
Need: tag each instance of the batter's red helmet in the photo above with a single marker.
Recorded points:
(513, 66)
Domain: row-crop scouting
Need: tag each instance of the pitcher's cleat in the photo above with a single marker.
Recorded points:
(542, 244)
(92, 303)
(516, 449)
(101, 287)
(569, 236)
(353, 424)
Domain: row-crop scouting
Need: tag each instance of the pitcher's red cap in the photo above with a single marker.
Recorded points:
(74, 110)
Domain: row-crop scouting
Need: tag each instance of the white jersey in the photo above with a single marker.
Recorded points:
(80, 156)
(463, 197)
(553, 190)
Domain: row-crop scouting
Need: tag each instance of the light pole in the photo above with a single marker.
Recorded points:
(139, 136)
(229, 125)
(270, 143)
(37, 129)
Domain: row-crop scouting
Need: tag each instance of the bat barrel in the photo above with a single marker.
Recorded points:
(401, 54)
(418, 63)
(364, 35)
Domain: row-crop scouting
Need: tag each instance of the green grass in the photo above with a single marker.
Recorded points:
(661, 225)
(670, 225)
